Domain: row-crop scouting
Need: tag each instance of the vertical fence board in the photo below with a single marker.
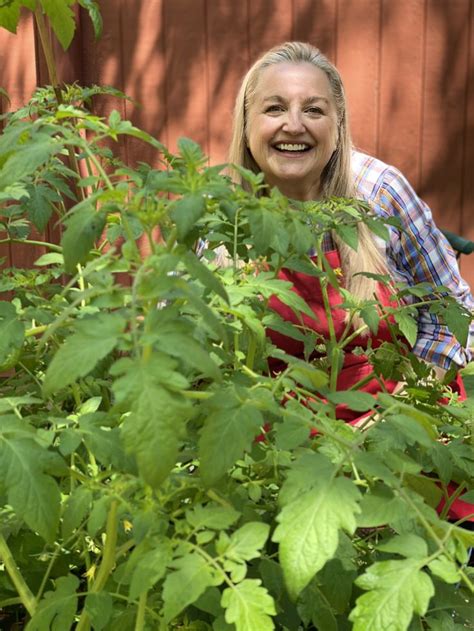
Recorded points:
(186, 71)
(401, 81)
(315, 22)
(225, 69)
(358, 31)
(467, 207)
(446, 53)
(270, 23)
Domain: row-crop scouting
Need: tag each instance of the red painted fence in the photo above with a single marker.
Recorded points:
(408, 66)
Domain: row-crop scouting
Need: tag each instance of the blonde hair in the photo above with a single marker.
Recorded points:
(337, 178)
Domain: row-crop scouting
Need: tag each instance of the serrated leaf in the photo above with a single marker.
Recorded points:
(229, 430)
(150, 568)
(51, 258)
(380, 507)
(408, 545)
(309, 524)
(182, 587)
(99, 607)
(458, 320)
(33, 495)
(445, 569)
(57, 609)
(314, 607)
(262, 226)
(84, 227)
(26, 157)
(95, 337)
(198, 270)
(212, 516)
(408, 326)
(94, 13)
(186, 212)
(75, 510)
(61, 18)
(371, 317)
(249, 606)
(153, 430)
(349, 234)
(12, 332)
(398, 589)
(40, 205)
(358, 401)
(245, 543)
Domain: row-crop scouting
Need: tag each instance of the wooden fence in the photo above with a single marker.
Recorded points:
(408, 67)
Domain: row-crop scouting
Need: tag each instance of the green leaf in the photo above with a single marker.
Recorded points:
(75, 510)
(408, 545)
(358, 401)
(182, 587)
(57, 609)
(198, 270)
(229, 430)
(150, 568)
(84, 227)
(314, 607)
(249, 606)
(408, 325)
(445, 569)
(371, 317)
(25, 158)
(186, 212)
(397, 590)
(99, 607)
(62, 19)
(51, 258)
(95, 337)
(458, 320)
(40, 205)
(12, 334)
(154, 428)
(33, 495)
(212, 516)
(94, 13)
(245, 543)
(309, 524)
(349, 234)
(380, 507)
(262, 226)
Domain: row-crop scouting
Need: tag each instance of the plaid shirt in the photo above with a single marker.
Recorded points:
(417, 253)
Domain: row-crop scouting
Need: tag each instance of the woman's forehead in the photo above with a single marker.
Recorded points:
(303, 80)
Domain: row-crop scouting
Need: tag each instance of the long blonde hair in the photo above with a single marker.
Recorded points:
(337, 178)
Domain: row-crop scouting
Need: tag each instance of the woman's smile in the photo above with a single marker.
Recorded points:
(292, 127)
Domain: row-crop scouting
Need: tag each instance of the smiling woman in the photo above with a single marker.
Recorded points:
(291, 123)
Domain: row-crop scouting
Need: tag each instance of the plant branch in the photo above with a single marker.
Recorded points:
(26, 595)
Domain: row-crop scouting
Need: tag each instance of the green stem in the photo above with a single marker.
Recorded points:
(50, 246)
(47, 50)
(252, 348)
(140, 620)
(24, 592)
(108, 562)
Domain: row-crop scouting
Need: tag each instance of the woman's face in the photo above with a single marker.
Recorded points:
(292, 127)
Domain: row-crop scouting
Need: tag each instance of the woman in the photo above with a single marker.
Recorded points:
(291, 123)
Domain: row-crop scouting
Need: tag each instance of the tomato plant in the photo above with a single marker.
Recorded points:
(135, 494)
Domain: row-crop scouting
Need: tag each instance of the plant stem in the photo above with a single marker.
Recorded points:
(108, 562)
(50, 246)
(47, 50)
(140, 620)
(22, 588)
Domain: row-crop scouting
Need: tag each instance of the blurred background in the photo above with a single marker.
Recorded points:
(408, 68)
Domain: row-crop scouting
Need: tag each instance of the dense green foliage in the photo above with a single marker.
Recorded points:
(135, 380)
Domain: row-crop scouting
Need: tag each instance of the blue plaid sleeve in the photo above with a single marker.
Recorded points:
(418, 253)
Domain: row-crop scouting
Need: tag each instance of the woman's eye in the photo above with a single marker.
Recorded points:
(273, 108)
(315, 110)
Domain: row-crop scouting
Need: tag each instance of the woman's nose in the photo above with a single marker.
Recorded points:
(293, 123)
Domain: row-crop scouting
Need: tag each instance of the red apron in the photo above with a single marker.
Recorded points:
(355, 366)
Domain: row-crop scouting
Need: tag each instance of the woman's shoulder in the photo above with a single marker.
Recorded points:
(371, 174)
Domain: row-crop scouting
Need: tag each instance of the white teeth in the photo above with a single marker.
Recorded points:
(291, 147)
